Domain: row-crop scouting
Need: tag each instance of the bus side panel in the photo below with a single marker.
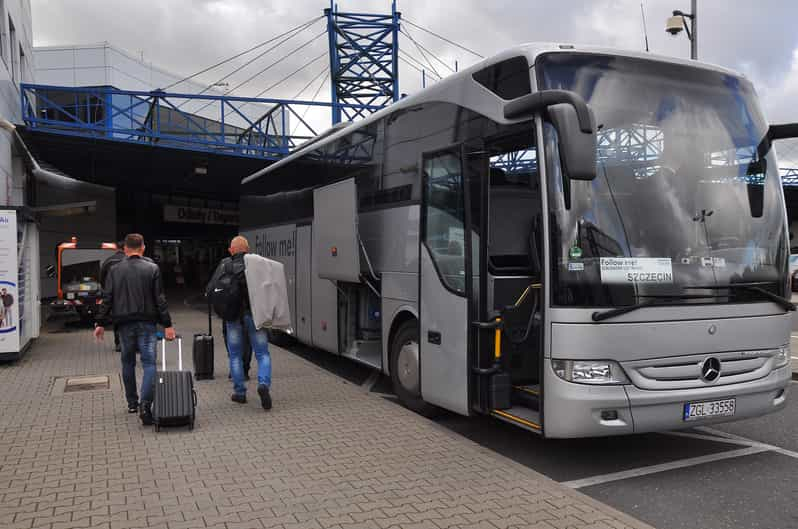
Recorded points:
(324, 309)
(399, 294)
(303, 284)
(279, 244)
(391, 238)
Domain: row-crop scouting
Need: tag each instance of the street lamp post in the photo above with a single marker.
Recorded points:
(677, 22)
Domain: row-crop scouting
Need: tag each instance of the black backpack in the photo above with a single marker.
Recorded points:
(226, 293)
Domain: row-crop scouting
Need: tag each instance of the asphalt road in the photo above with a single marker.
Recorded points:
(733, 476)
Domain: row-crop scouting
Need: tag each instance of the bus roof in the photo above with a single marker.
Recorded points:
(460, 88)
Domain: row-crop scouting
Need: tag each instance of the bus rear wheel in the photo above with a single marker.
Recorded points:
(405, 369)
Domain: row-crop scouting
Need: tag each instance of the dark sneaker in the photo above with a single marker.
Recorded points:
(265, 398)
(241, 399)
(132, 408)
(146, 415)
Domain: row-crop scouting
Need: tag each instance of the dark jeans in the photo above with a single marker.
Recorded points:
(236, 330)
(138, 336)
(246, 351)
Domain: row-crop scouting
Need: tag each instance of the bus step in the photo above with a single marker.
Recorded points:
(527, 396)
(519, 416)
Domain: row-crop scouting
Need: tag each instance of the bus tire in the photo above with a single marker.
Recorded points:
(279, 338)
(405, 369)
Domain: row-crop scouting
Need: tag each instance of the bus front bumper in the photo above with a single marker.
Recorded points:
(579, 410)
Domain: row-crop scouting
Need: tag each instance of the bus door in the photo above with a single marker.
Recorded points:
(445, 281)
(507, 336)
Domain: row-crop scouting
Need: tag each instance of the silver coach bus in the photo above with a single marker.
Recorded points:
(579, 241)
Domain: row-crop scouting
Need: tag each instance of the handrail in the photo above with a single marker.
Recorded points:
(222, 125)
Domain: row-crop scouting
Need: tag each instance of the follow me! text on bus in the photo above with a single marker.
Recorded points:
(581, 242)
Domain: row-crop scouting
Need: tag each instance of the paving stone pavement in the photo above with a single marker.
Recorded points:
(329, 455)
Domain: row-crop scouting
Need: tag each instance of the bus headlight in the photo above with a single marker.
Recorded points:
(590, 371)
(782, 357)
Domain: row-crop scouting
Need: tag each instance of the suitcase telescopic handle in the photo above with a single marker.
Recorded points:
(179, 353)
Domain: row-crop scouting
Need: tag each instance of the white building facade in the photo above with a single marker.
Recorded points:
(19, 266)
(103, 64)
(16, 49)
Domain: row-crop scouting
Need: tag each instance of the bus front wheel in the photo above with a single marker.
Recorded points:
(405, 369)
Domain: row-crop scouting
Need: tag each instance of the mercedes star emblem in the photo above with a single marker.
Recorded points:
(710, 370)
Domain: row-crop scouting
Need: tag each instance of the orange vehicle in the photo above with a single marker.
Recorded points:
(78, 276)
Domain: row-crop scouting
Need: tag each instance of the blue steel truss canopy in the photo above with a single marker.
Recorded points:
(364, 53)
(237, 126)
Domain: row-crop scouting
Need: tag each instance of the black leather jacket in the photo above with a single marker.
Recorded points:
(109, 263)
(133, 292)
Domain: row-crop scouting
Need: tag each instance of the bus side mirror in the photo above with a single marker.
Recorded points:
(783, 131)
(50, 271)
(577, 147)
(575, 124)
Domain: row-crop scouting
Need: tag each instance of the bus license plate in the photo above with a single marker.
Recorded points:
(713, 408)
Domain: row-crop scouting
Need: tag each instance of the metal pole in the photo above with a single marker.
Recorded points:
(694, 27)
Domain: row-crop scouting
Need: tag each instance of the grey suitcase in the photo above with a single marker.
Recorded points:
(175, 401)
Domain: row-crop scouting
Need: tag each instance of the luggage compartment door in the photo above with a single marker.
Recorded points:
(336, 251)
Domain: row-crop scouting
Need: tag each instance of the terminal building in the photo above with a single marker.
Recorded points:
(185, 203)
(19, 263)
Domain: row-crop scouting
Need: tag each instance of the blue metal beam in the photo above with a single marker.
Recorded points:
(241, 126)
(364, 69)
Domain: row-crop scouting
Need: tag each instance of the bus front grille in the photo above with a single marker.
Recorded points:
(685, 372)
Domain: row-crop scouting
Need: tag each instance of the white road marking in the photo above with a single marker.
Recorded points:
(663, 467)
(740, 439)
(708, 434)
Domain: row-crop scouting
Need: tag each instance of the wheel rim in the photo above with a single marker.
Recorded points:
(407, 367)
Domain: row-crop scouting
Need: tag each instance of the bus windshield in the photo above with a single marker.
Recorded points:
(687, 192)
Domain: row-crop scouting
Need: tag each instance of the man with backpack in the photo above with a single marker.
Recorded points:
(229, 296)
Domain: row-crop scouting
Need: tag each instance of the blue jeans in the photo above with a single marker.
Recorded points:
(138, 336)
(235, 345)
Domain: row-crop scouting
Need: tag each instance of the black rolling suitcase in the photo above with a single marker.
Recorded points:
(202, 353)
(175, 401)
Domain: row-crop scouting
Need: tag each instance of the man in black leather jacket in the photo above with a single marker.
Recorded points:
(133, 295)
(109, 263)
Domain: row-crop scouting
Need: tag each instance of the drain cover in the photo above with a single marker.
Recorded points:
(89, 383)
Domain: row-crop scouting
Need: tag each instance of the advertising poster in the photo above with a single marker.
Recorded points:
(9, 315)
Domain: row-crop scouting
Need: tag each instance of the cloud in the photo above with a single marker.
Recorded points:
(185, 36)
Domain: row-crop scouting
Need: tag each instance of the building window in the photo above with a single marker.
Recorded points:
(12, 39)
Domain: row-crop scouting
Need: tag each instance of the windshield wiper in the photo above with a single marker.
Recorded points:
(784, 303)
(611, 313)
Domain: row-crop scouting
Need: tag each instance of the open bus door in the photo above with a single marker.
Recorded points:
(446, 281)
(505, 219)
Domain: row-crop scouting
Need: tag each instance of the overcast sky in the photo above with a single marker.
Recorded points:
(757, 37)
